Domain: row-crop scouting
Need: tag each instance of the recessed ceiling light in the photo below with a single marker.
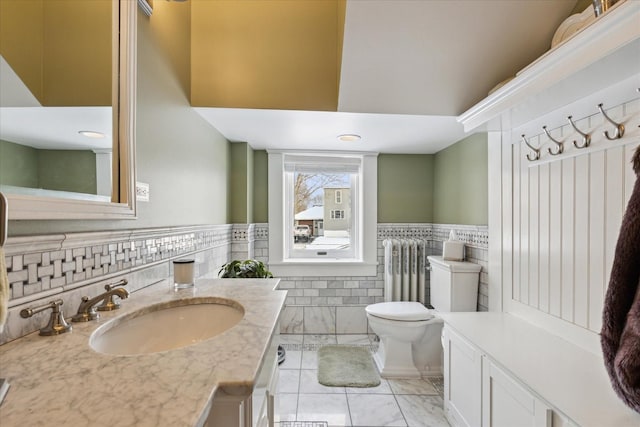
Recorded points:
(91, 134)
(349, 137)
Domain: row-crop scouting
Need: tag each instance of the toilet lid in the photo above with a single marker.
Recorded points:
(400, 310)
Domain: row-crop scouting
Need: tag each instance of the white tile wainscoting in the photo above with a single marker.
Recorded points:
(335, 305)
(69, 266)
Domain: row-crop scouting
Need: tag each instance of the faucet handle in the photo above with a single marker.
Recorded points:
(89, 313)
(108, 304)
(57, 325)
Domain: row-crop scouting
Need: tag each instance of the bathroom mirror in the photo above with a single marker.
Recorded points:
(67, 108)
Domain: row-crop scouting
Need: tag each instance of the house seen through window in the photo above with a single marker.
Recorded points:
(321, 200)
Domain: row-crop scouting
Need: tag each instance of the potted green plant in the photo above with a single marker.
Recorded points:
(249, 269)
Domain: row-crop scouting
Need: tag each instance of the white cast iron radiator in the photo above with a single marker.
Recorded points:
(405, 273)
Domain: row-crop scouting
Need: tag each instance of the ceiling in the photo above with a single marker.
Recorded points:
(57, 127)
(405, 70)
(408, 69)
(318, 130)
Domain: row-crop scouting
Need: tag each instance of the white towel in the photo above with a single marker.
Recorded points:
(4, 291)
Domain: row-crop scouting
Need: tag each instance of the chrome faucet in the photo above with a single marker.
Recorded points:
(87, 310)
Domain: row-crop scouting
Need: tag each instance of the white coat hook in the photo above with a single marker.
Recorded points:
(586, 138)
(619, 126)
(559, 144)
(536, 151)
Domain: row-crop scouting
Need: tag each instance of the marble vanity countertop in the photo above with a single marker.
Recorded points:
(60, 380)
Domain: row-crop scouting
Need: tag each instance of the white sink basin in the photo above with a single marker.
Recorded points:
(167, 326)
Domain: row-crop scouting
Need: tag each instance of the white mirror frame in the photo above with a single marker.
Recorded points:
(124, 108)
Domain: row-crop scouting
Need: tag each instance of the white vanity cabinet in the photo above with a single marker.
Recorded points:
(502, 371)
(264, 392)
(478, 393)
(462, 380)
(506, 403)
(256, 409)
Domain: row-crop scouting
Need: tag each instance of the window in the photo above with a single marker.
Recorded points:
(337, 214)
(328, 192)
(314, 185)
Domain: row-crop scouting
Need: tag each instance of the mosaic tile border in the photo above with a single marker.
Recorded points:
(241, 232)
(404, 231)
(472, 235)
(38, 266)
(261, 231)
(476, 236)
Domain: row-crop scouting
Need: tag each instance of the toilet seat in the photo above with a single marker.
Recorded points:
(400, 310)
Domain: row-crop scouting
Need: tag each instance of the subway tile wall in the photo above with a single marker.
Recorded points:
(330, 305)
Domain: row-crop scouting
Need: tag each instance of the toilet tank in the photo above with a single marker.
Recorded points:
(454, 284)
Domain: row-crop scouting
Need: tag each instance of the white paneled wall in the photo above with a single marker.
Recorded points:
(567, 213)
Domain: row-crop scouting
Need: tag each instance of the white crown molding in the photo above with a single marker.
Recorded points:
(567, 64)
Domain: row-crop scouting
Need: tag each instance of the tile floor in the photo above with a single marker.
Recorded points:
(301, 401)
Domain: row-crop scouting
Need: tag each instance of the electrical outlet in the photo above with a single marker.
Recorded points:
(142, 192)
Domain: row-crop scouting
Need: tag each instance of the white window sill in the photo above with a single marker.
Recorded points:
(334, 267)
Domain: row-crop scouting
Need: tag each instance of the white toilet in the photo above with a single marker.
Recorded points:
(409, 332)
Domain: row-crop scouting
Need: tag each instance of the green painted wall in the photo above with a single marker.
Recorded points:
(64, 170)
(449, 187)
(248, 185)
(18, 165)
(460, 182)
(260, 186)
(240, 197)
(67, 170)
(178, 153)
(181, 156)
(405, 187)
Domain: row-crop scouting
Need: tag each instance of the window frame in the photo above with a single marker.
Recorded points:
(340, 216)
(363, 265)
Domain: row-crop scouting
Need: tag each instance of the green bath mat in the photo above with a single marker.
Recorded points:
(346, 366)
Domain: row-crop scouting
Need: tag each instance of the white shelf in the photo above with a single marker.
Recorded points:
(599, 55)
